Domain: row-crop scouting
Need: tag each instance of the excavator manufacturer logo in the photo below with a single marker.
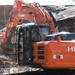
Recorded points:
(71, 49)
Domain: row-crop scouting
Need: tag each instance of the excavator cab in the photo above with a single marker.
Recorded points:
(27, 35)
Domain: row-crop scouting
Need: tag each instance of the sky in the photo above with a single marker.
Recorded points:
(42, 2)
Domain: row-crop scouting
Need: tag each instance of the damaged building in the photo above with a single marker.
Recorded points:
(64, 16)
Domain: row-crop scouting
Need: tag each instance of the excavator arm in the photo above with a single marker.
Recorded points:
(33, 12)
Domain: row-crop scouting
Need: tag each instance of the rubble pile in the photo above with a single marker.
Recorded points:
(7, 66)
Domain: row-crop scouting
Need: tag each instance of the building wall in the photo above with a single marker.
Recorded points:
(67, 25)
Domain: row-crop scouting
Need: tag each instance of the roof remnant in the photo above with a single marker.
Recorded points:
(62, 12)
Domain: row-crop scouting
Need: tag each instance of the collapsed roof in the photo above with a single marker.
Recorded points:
(62, 12)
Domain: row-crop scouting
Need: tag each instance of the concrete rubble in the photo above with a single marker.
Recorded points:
(11, 67)
(19, 69)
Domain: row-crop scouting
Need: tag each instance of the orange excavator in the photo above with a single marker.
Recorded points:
(26, 30)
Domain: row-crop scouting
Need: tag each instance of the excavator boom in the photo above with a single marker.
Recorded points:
(33, 12)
